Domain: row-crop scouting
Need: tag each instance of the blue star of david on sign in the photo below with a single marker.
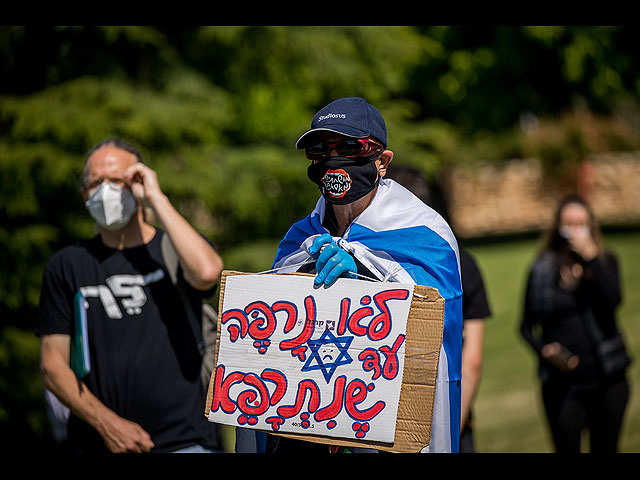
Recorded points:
(327, 354)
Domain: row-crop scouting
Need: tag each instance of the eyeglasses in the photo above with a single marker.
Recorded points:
(88, 186)
(345, 148)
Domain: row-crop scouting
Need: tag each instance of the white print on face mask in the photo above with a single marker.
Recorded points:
(574, 232)
(337, 182)
(111, 206)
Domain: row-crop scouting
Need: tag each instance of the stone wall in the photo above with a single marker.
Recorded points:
(518, 197)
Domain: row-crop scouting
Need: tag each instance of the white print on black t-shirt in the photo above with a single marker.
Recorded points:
(126, 287)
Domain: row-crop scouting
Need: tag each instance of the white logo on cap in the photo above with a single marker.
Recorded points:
(332, 115)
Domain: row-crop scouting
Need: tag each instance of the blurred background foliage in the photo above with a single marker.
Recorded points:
(216, 112)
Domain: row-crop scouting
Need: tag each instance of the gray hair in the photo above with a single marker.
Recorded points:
(114, 142)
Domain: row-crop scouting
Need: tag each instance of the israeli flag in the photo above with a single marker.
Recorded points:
(400, 239)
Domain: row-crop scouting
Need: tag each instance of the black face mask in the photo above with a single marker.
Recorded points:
(344, 180)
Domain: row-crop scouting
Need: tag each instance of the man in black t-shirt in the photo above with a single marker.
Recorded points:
(475, 304)
(475, 311)
(138, 389)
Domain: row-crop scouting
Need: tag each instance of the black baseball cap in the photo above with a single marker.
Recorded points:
(351, 116)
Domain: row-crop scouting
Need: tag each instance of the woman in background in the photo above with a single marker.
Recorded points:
(569, 320)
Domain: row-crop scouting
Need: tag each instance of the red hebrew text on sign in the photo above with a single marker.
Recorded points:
(294, 358)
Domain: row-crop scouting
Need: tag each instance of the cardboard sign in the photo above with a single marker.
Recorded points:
(353, 364)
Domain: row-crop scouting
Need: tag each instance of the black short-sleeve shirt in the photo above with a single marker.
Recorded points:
(145, 365)
(475, 303)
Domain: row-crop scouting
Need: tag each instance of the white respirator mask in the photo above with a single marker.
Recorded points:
(574, 232)
(111, 206)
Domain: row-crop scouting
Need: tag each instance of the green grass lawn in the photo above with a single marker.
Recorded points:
(508, 413)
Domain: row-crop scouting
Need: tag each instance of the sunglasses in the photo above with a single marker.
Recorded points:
(349, 148)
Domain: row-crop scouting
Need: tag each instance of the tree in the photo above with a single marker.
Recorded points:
(217, 110)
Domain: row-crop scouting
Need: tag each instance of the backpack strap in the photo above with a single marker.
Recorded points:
(170, 257)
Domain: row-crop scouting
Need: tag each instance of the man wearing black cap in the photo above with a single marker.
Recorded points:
(348, 155)
(366, 227)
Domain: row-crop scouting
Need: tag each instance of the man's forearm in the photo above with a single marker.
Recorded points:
(470, 383)
(472, 356)
(119, 434)
(60, 380)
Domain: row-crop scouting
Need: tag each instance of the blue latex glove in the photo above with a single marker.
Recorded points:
(332, 261)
